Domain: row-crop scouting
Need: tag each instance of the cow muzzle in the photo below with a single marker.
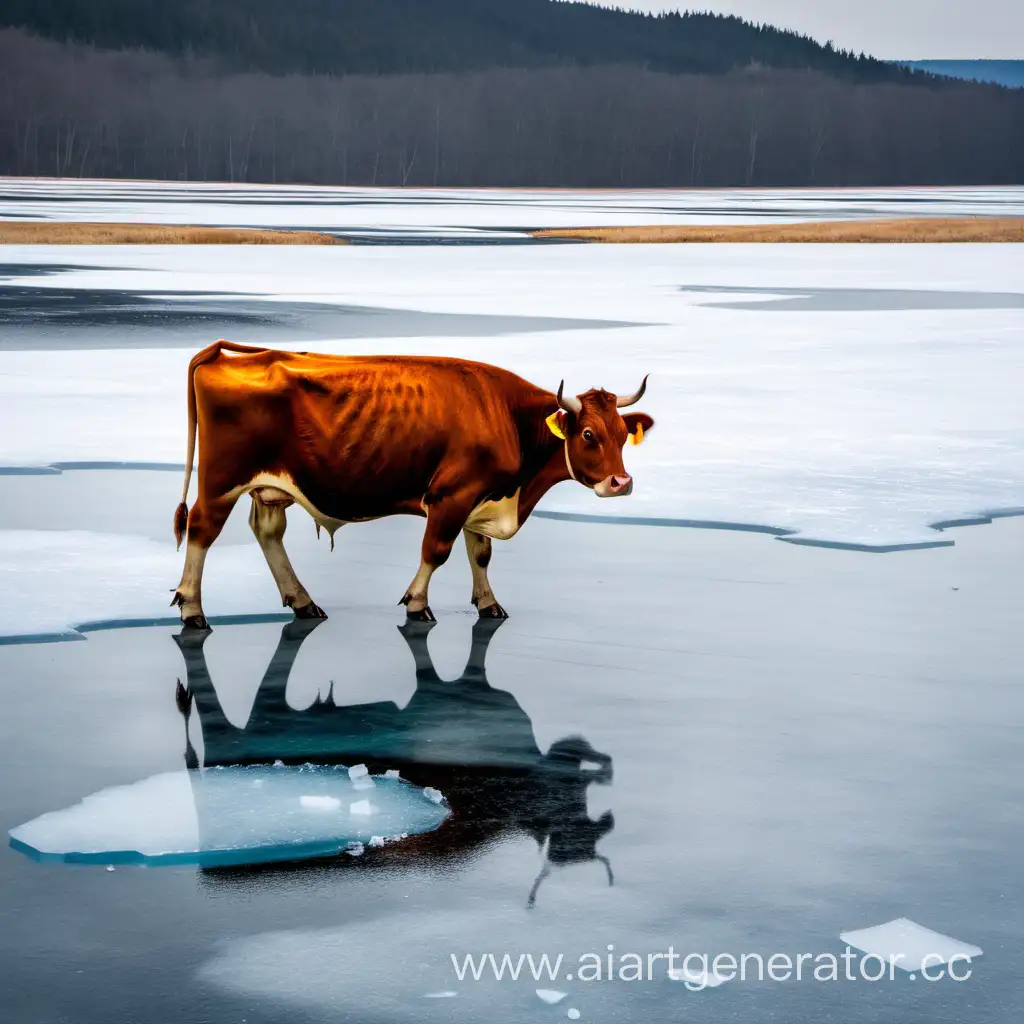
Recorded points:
(618, 485)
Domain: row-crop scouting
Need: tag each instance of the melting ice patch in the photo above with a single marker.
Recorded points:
(908, 945)
(550, 996)
(228, 816)
(695, 979)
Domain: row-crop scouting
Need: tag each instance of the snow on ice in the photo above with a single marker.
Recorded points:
(888, 403)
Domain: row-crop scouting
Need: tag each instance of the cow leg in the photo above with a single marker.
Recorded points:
(206, 519)
(268, 521)
(445, 521)
(478, 547)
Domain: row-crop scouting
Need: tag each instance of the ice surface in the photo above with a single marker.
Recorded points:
(52, 580)
(319, 803)
(696, 979)
(551, 996)
(909, 945)
(857, 426)
(217, 816)
(475, 213)
(847, 423)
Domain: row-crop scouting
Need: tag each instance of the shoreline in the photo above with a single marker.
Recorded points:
(899, 230)
(27, 232)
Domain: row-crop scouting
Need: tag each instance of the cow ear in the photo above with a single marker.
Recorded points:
(556, 424)
(637, 423)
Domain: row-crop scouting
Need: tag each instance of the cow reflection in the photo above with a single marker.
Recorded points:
(463, 736)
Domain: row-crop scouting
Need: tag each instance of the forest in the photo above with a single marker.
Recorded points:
(70, 109)
(341, 37)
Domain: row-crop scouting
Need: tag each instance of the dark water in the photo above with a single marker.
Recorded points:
(44, 318)
(707, 741)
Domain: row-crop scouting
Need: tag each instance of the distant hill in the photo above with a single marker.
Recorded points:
(388, 36)
(1002, 72)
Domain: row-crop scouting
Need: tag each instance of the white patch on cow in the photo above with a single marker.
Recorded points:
(498, 520)
(284, 484)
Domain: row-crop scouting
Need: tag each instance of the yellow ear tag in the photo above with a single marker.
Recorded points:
(552, 422)
(638, 436)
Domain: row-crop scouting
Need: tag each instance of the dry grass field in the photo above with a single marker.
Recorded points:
(20, 232)
(912, 229)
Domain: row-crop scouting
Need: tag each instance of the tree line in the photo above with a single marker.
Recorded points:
(71, 110)
(388, 36)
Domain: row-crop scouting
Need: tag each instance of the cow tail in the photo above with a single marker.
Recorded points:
(206, 356)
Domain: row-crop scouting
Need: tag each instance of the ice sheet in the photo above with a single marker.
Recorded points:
(908, 945)
(475, 213)
(51, 581)
(854, 425)
(226, 815)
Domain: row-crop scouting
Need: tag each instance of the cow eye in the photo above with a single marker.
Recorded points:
(588, 435)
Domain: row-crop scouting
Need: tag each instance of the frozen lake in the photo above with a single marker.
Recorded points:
(766, 745)
(468, 216)
(727, 737)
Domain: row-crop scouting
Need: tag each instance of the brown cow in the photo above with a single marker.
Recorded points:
(471, 447)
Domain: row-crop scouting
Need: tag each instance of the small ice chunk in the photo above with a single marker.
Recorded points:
(360, 808)
(376, 841)
(354, 849)
(110, 867)
(277, 764)
(363, 782)
(441, 995)
(320, 803)
(696, 979)
(358, 771)
(434, 795)
(572, 1013)
(392, 773)
(550, 995)
(908, 945)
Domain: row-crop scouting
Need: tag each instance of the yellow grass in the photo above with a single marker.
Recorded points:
(29, 232)
(910, 229)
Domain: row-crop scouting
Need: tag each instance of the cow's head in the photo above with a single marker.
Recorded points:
(594, 432)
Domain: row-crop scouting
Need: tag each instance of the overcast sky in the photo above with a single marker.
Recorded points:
(911, 29)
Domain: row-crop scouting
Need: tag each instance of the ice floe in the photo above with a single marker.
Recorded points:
(217, 817)
(696, 979)
(908, 945)
(550, 996)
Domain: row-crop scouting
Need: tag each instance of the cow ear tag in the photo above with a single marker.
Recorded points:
(552, 422)
(637, 436)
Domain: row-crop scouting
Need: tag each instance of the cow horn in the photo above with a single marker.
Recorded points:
(568, 402)
(622, 401)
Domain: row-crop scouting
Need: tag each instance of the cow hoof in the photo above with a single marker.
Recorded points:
(310, 611)
(196, 622)
(493, 611)
(423, 615)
